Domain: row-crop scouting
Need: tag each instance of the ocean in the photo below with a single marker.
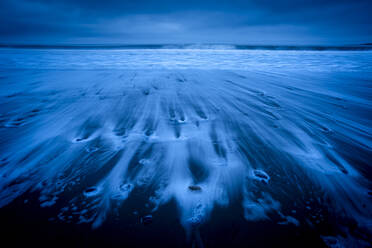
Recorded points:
(192, 145)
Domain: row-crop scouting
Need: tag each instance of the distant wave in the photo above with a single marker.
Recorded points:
(201, 46)
(363, 47)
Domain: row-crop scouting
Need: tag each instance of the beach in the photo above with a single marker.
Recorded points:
(212, 147)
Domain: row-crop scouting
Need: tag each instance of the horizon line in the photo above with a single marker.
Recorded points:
(191, 46)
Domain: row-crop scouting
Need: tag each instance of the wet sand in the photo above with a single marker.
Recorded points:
(186, 157)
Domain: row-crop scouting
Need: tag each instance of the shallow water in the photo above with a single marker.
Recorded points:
(195, 138)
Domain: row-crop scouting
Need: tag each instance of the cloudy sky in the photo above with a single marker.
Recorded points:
(270, 22)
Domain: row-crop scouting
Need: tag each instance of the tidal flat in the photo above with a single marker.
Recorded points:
(179, 148)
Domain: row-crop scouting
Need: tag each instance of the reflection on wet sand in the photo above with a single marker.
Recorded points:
(274, 143)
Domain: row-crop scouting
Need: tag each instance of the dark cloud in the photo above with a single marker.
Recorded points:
(166, 21)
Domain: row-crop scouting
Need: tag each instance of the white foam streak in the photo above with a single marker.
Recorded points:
(200, 138)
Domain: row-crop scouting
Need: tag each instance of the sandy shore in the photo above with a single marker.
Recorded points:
(287, 153)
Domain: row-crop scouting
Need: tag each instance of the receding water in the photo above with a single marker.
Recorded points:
(188, 147)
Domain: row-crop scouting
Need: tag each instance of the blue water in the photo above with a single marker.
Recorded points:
(250, 143)
(263, 60)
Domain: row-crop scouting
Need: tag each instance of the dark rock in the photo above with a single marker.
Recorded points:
(261, 174)
(147, 219)
(194, 188)
(146, 92)
(90, 190)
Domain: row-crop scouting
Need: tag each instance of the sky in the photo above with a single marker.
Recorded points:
(251, 22)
